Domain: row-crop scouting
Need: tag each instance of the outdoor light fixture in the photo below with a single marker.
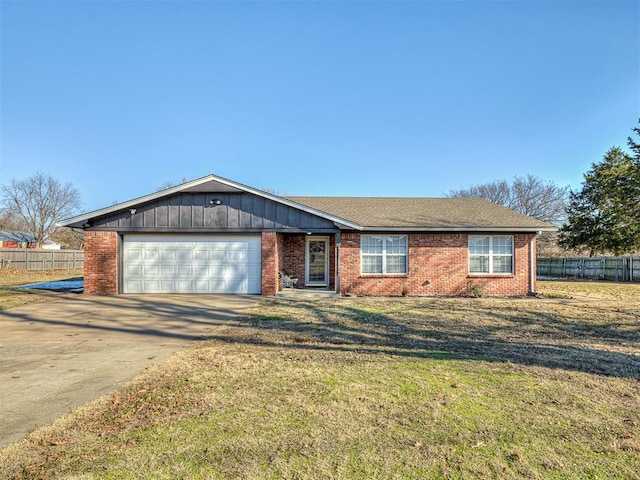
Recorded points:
(132, 211)
(215, 201)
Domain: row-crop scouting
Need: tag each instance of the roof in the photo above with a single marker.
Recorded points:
(207, 183)
(428, 214)
(361, 213)
(14, 236)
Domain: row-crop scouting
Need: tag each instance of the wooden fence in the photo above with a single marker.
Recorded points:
(617, 269)
(41, 260)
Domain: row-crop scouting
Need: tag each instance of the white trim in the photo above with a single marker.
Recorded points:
(326, 261)
(384, 255)
(478, 230)
(80, 220)
(491, 255)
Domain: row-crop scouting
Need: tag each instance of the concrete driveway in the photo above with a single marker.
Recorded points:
(59, 355)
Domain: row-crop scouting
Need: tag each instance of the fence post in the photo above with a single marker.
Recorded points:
(26, 259)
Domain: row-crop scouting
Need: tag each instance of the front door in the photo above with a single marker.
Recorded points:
(316, 270)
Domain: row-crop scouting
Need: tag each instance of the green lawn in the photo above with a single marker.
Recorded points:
(365, 388)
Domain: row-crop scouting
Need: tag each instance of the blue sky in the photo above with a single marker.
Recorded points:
(385, 98)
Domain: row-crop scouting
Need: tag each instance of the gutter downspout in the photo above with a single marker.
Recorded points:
(532, 265)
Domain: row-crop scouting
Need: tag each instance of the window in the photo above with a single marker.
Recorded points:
(490, 254)
(384, 254)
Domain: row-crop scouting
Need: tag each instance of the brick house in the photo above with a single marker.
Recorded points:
(214, 235)
(14, 239)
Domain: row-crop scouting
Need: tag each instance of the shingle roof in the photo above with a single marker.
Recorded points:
(14, 236)
(424, 213)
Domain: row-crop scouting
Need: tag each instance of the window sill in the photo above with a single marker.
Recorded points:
(384, 275)
(491, 275)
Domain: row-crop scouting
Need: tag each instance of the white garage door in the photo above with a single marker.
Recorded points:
(191, 264)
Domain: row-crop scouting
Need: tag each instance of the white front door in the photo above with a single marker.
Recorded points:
(316, 271)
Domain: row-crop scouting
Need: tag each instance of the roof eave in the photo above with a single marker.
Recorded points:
(460, 229)
(80, 221)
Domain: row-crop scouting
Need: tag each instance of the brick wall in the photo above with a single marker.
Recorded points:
(438, 265)
(294, 246)
(100, 263)
(294, 257)
(9, 244)
(272, 247)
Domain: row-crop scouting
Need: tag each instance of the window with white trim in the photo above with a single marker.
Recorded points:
(384, 254)
(491, 254)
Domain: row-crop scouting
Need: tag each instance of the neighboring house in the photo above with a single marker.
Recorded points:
(214, 235)
(13, 239)
(51, 245)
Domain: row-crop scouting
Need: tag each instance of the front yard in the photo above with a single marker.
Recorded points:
(376, 388)
(11, 277)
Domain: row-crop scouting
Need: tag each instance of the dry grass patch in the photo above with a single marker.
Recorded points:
(373, 388)
(11, 277)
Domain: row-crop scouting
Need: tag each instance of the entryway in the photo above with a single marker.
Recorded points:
(316, 268)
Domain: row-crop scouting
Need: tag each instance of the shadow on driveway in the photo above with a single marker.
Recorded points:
(59, 355)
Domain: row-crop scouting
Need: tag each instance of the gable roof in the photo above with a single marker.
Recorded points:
(15, 236)
(359, 213)
(209, 183)
(425, 214)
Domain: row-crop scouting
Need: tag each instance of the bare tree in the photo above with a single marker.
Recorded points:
(528, 195)
(10, 221)
(39, 201)
(69, 238)
(170, 183)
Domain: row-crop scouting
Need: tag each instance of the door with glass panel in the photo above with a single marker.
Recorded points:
(317, 262)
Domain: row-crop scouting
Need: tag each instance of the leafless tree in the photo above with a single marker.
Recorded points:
(10, 221)
(39, 201)
(69, 238)
(528, 195)
(171, 183)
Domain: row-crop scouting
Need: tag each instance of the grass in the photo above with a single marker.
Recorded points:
(366, 388)
(11, 277)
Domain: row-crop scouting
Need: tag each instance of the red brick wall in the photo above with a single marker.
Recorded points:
(100, 263)
(272, 247)
(438, 265)
(294, 257)
(8, 244)
(294, 246)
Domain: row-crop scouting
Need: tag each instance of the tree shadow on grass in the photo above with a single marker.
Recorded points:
(518, 331)
(457, 329)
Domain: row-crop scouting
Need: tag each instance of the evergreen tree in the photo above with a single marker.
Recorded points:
(604, 216)
(633, 145)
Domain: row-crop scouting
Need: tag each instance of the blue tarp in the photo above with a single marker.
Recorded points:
(74, 286)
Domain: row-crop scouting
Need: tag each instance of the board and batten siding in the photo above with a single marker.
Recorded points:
(192, 212)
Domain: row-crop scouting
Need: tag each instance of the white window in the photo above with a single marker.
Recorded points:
(384, 254)
(490, 254)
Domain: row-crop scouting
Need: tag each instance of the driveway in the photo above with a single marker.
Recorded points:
(57, 356)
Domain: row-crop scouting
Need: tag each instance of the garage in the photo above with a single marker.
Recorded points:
(191, 264)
